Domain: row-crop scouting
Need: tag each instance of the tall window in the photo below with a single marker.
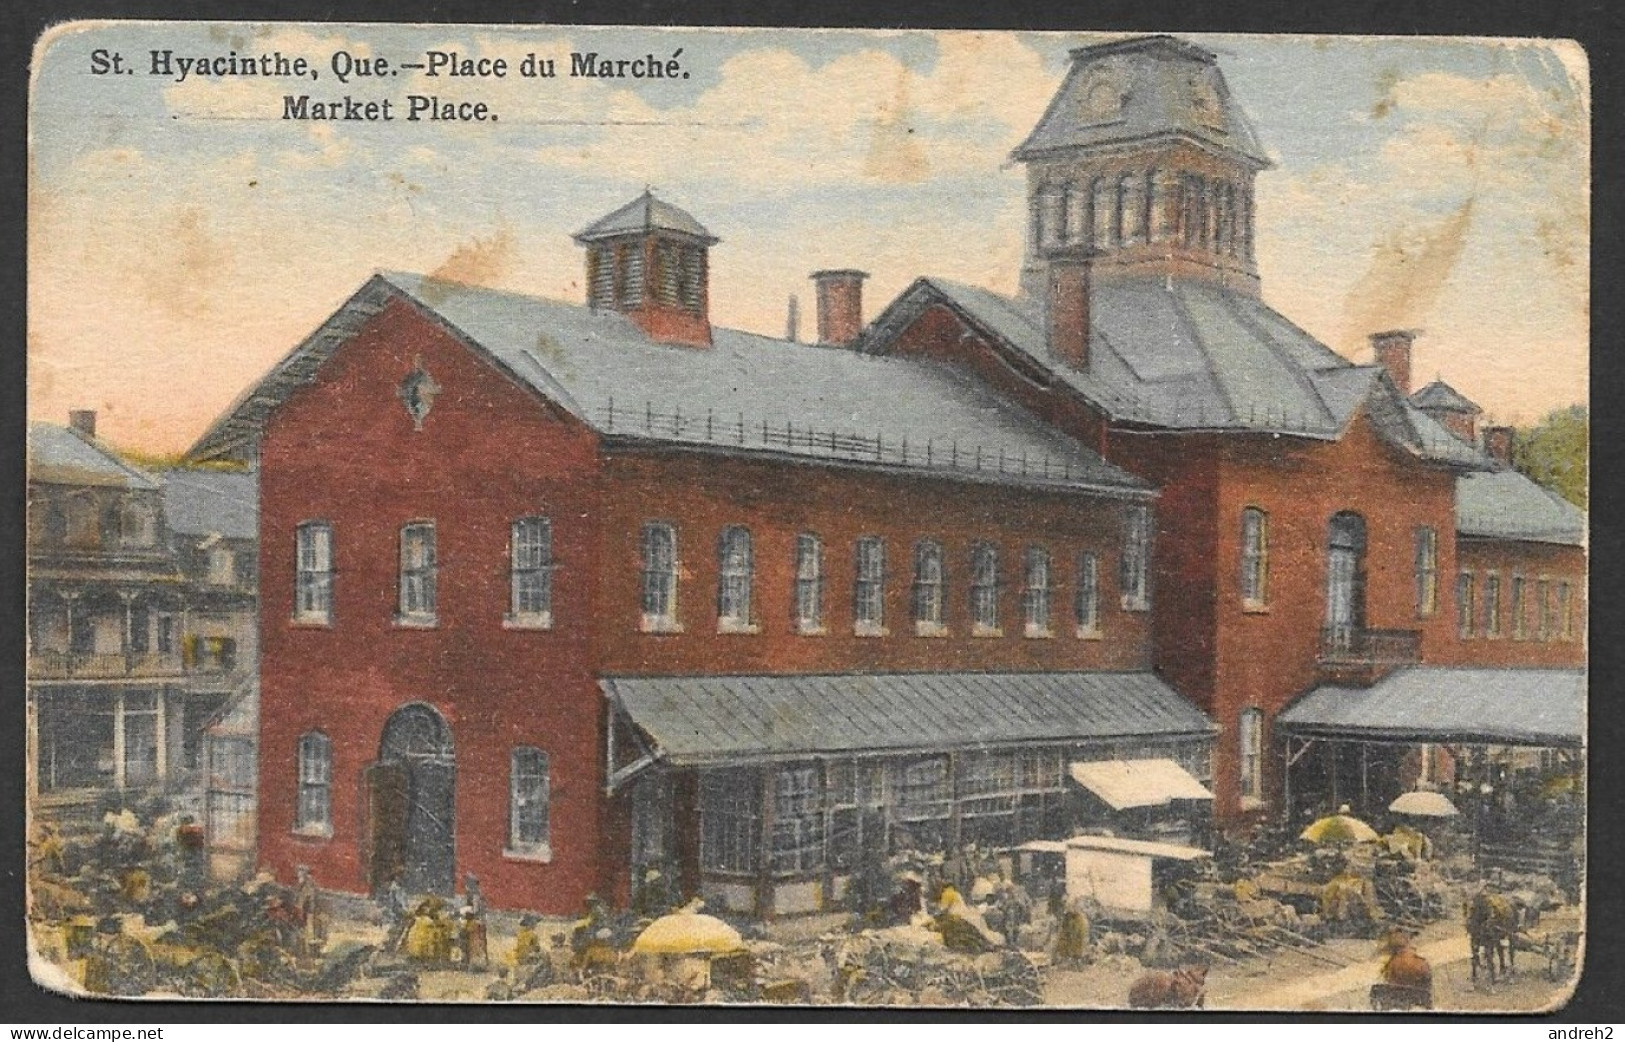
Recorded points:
(809, 584)
(798, 821)
(1565, 610)
(729, 820)
(529, 802)
(1087, 600)
(313, 581)
(868, 592)
(1492, 604)
(531, 572)
(1464, 605)
(1036, 592)
(313, 812)
(1544, 629)
(418, 572)
(659, 577)
(734, 573)
(984, 590)
(1251, 738)
(1255, 549)
(928, 588)
(138, 525)
(1136, 561)
(1520, 622)
(1427, 571)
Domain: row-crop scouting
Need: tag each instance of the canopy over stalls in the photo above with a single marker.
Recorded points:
(1127, 784)
(1438, 704)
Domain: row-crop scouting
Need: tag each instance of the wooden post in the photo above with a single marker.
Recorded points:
(956, 845)
(764, 845)
(828, 896)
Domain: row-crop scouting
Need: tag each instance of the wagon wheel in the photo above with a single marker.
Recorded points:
(210, 975)
(125, 966)
(264, 960)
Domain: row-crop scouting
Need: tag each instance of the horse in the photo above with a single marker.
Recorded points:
(1407, 978)
(1493, 921)
(1184, 988)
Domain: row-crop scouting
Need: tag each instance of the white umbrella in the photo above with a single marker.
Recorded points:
(1423, 804)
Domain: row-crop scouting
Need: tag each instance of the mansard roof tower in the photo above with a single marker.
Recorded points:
(1145, 162)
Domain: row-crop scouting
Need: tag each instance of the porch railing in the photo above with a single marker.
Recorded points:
(91, 665)
(1369, 653)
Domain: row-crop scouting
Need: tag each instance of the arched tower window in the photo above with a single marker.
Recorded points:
(1104, 213)
(1131, 194)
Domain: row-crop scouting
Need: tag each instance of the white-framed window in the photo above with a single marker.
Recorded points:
(222, 566)
(1136, 559)
(1086, 598)
(1255, 550)
(809, 583)
(929, 589)
(313, 580)
(1492, 604)
(1427, 571)
(1565, 610)
(659, 577)
(869, 588)
(1035, 594)
(798, 821)
(1250, 738)
(1465, 608)
(419, 573)
(735, 573)
(730, 815)
(984, 590)
(530, 573)
(314, 809)
(1519, 610)
(529, 803)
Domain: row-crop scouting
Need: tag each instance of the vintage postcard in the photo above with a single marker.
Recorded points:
(917, 519)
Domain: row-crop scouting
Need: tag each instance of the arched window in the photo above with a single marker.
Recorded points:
(1345, 578)
(1131, 196)
(984, 590)
(314, 809)
(868, 588)
(809, 583)
(928, 588)
(1077, 212)
(1427, 571)
(1103, 208)
(1250, 738)
(1255, 567)
(734, 569)
(1035, 594)
(1136, 560)
(529, 803)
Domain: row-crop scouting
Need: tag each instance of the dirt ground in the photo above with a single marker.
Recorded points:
(1335, 976)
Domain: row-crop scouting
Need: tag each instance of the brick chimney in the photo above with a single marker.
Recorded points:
(1066, 305)
(840, 305)
(1393, 351)
(83, 421)
(1498, 444)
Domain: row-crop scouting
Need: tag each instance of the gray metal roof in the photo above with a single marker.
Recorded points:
(1188, 355)
(1440, 704)
(745, 393)
(645, 214)
(1439, 396)
(718, 718)
(62, 456)
(209, 502)
(1508, 505)
(1167, 87)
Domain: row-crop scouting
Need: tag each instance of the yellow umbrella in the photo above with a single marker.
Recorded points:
(687, 932)
(1341, 827)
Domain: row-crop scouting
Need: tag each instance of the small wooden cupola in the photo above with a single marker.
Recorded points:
(650, 261)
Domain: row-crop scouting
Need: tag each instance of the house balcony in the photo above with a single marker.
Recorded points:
(1361, 657)
(93, 665)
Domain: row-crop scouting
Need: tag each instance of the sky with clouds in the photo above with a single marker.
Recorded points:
(183, 237)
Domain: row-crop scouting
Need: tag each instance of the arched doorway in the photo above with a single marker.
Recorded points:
(1345, 578)
(411, 798)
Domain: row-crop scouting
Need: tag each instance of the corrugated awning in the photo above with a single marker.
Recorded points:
(1124, 784)
(1539, 707)
(719, 719)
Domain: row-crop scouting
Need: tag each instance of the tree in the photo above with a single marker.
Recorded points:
(1554, 452)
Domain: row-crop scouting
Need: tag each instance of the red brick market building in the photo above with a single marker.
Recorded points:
(1320, 530)
(556, 593)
